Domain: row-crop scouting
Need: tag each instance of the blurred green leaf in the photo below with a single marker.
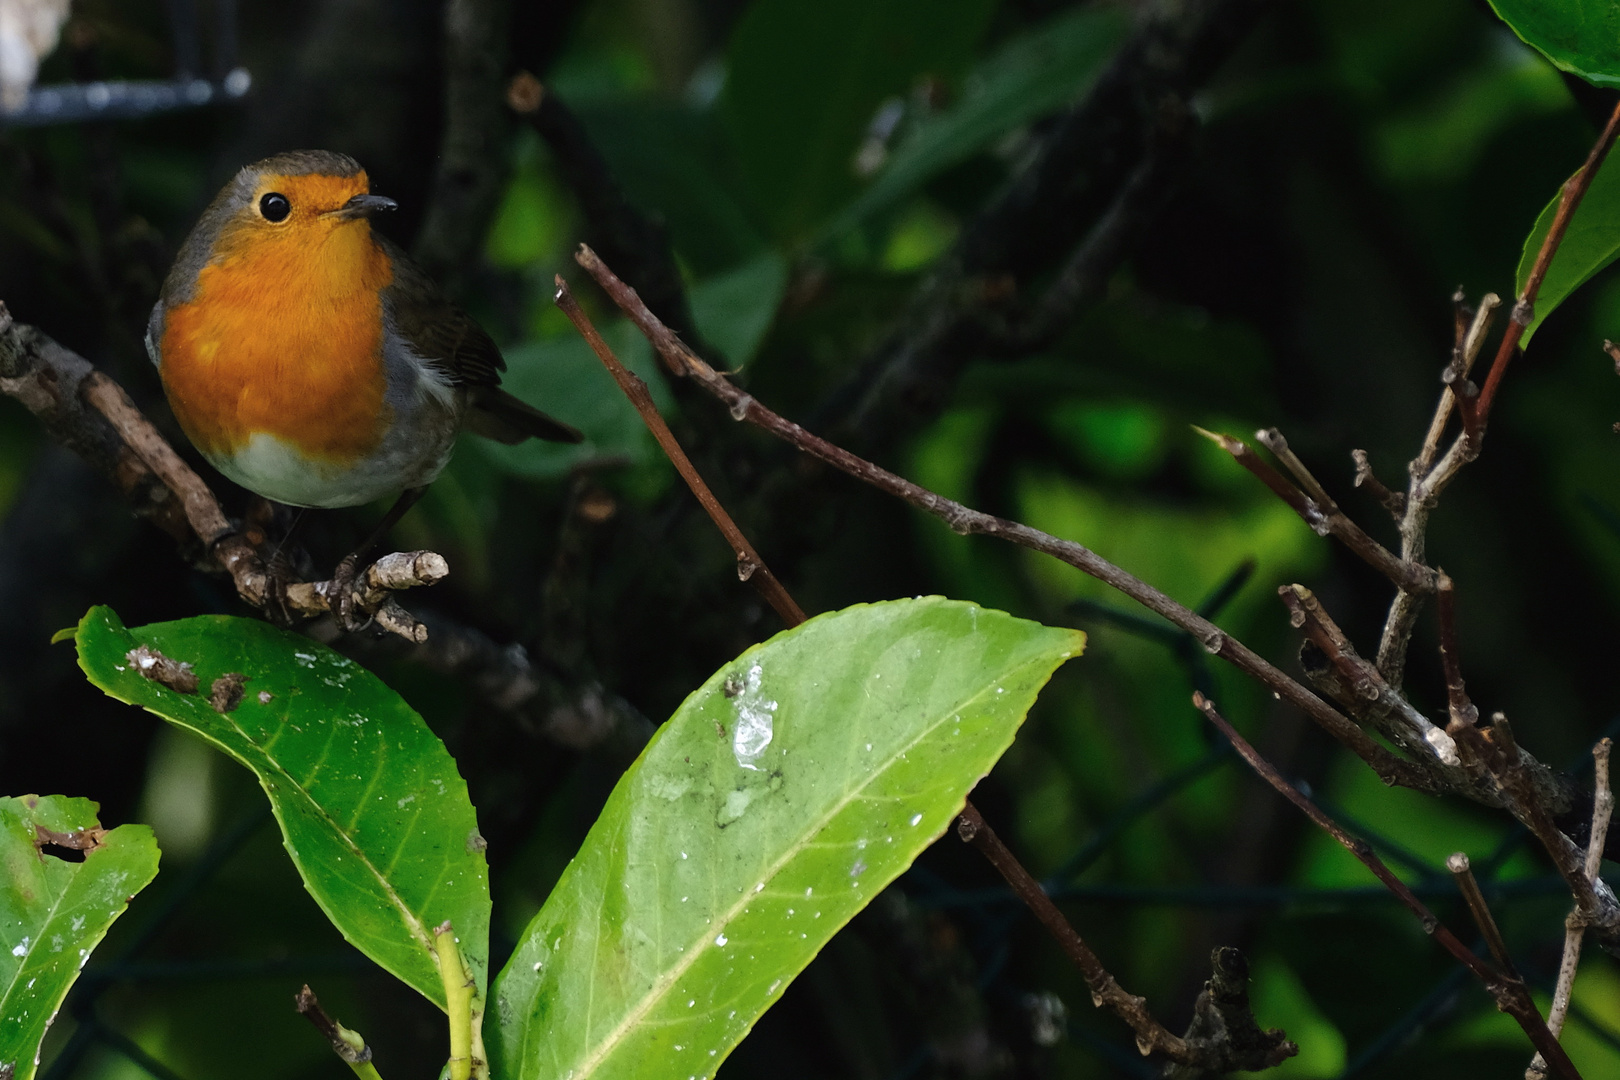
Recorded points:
(1032, 75)
(1580, 36)
(806, 78)
(565, 378)
(734, 310)
(1591, 242)
(1440, 140)
(54, 912)
(371, 807)
(782, 796)
(532, 220)
(675, 161)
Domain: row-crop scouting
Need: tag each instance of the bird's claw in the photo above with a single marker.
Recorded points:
(340, 596)
(279, 575)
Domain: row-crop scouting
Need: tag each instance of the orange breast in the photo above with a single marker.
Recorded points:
(284, 337)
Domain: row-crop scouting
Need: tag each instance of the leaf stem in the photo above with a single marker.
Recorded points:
(458, 1000)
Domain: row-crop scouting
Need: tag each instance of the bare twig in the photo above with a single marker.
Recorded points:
(347, 1044)
(1496, 754)
(1463, 872)
(1105, 990)
(964, 520)
(1393, 501)
(1509, 993)
(1462, 710)
(750, 566)
(1575, 924)
(1455, 376)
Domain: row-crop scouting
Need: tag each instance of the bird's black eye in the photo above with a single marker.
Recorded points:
(275, 206)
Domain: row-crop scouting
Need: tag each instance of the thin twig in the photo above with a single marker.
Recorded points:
(1105, 990)
(964, 520)
(1463, 872)
(1461, 708)
(1575, 926)
(1455, 376)
(1510, 993)
(347, 1044)
(1393, 501)
(750, 566)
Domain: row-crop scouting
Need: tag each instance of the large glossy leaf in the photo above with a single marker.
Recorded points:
(53, 911)
(805, 78)
(782, 796)
(371, 807)
(1580, 36)
(1591, 242)
(1027, 78)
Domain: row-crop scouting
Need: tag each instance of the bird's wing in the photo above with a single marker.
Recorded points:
(436, 329)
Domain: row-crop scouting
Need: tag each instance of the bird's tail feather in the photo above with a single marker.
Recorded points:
(497, 415)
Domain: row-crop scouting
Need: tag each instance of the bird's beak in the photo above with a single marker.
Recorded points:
(365, 206)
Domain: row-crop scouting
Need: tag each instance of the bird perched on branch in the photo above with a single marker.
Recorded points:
(310, 360)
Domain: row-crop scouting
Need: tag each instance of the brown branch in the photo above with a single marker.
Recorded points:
(1570, 196)
(1509, 993)
(1105, 990)
(750, 566)
(965, 520)
(1463, 872)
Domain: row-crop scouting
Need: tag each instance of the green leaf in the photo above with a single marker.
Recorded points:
(371, 807)
(1591, 243)
(782, 796)
(734, 310)
(805, 78)
(1029, 77)
(564, 377)
(54, 912)
(1579, 36)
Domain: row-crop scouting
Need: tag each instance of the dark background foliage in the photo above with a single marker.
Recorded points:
(1340, 168)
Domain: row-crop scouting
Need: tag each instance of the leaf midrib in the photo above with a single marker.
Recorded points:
(412, 923)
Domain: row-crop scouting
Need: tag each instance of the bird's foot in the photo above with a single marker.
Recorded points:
(340, 596)
(279, 576)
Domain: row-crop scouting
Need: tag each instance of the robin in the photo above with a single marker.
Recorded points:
(309, 360)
